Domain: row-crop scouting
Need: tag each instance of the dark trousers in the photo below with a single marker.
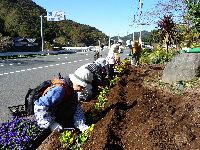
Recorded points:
(64, 112)
(111, 73)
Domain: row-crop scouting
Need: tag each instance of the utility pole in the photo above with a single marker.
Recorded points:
(140, 38)
(133, 27)
(42, 33)
(109, 42)
(99, 49)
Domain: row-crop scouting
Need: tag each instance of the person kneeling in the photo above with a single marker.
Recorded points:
(59, 107)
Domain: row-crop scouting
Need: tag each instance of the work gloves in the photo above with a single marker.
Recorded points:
(83, 128)
(56, 127)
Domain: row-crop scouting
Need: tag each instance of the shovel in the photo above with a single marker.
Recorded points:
(68, 128)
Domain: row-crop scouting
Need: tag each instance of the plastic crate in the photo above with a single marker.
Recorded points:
(18, 111)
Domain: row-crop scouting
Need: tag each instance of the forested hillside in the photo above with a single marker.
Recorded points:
(19, 18)
(147, 37)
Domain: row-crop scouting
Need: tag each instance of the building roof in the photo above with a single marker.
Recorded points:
(24, 39)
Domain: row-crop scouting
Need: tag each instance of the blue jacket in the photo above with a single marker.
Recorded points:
(50, 99)
(53, 96)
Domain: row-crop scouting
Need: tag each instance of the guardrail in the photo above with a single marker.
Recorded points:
(42, 52)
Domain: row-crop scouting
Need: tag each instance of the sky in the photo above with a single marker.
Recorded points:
(112, 17)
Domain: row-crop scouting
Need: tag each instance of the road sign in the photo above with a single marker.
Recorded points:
(56, 16)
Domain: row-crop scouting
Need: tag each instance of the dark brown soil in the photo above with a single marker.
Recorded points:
(142, 115)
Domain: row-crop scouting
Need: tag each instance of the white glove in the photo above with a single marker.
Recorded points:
(56, 127)
(83, 128)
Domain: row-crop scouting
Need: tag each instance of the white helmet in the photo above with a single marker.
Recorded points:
(120, 41)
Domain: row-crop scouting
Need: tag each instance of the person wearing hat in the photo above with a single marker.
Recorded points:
(115, 47)
(136, 49)
(59, 108)
(99, 71)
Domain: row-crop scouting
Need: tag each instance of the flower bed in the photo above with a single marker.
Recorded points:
(140, 114)
(19, 133)
(69, 138)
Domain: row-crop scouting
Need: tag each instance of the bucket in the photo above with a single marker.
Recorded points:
(183, 51)
(194, 50)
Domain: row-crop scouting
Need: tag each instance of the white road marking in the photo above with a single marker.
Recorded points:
(40, 67)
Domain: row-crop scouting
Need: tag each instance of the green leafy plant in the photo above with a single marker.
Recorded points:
(193, 7)
(177, 91)
(157, 55)
(148, 80)
(68, 138)
(162, 84)
(112, 82)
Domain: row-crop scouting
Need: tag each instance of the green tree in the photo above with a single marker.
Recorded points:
(22, 18)
(4, 43)
(154, 36)
(194, 12)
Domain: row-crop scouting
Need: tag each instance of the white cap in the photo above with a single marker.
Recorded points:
(83, 77)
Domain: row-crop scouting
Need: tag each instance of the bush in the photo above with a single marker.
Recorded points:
(157, 55)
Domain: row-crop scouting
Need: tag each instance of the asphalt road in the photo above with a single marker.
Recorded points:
(18, 75)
